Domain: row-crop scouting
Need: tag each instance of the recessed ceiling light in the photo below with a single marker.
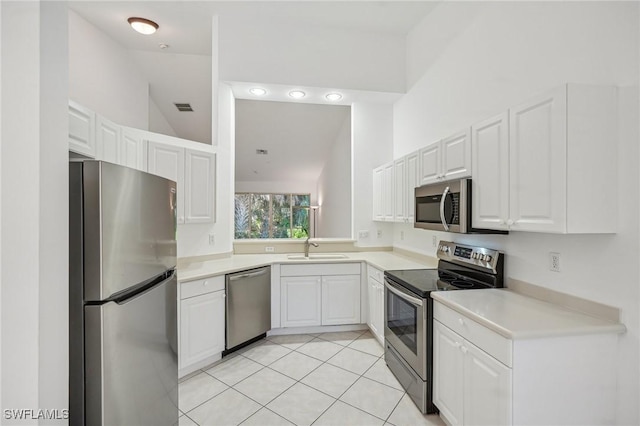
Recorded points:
(142, 25)
(334, 96)
(258, 91)
(297, 94)
(163, 46)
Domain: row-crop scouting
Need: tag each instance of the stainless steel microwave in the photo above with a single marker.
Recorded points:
(446, 206)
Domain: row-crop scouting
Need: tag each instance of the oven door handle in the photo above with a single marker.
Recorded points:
(442, 201)
(413, 300)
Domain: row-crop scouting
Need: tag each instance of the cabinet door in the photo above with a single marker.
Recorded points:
(430, 166)
(199, 187)
(82, 130)
(372, 293)
(411, 184)
(490, 145)
(399, 192)
(387, 192)
(377, 194)
(487, 389)
(538, 155)
(300, 301)
(448, 364)
(456, 155)
(132, 150)
(107, 140)
(201, 327)
(168, 161)
(341, 299)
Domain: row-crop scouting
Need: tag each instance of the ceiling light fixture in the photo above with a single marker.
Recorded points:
(163, 46)
(297, 94)
(333, 97)
(143, 26)
(258, 91)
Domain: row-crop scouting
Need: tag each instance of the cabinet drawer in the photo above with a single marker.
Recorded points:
(320, 269)
(375, 274)
(489, 341)
(204, 286)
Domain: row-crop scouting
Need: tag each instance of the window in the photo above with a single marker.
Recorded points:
(271, 215)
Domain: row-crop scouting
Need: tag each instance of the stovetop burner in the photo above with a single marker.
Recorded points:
(460, 267)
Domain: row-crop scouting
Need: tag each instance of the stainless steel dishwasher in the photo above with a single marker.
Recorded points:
(248, 307)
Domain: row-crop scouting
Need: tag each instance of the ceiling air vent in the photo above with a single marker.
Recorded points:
(262, 152)
(183, 107)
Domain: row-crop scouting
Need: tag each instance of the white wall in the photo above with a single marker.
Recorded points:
(284, 53)
(372, 146)
(34, 225)
(158, 122)
(103, 78)
(500, 54)
(334, 188)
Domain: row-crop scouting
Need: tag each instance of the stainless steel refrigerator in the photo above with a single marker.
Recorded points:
(122, 296)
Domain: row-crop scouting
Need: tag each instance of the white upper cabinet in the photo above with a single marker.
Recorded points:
(200, 175)
(430, 167)
(387, 191)
(456, 155)
(405, 176)
(107, 140)
(412, 168)
(490, 143)
(132, 149)
(194, 174)
(82, 130)
(399, 190)
(168, 161)
(447, 159)
(562, 164)
(383, 192)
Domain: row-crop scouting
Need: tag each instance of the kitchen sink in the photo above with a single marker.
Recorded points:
(317, 256)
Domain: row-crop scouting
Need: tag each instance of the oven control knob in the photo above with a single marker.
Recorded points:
(488, 258)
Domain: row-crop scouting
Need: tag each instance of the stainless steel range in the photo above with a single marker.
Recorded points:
(408, 311)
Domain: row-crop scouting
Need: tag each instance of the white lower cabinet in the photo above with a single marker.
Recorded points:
(319, 294)
(202, 319)
(481, 377)
(341, 299)
(470, 386)
(375, 287)
(301, 301)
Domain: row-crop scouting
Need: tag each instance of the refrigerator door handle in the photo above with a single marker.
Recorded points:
(142, 288)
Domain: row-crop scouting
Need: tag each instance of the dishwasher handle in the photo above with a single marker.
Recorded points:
(247, 275)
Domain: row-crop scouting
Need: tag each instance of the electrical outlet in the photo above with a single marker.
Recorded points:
(434, 241)
(363, 235)
(554, 262)
(401, 235)
(379, 233)
(269, 249)
(212, 239)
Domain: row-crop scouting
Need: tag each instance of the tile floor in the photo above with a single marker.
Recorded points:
(304, 379)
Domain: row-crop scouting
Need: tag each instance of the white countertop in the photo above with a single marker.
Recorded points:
(384, 260)
(521, 317)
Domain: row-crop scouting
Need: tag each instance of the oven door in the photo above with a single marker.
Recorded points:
(405, 326)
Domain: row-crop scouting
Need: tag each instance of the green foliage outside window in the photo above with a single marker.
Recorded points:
(271, 215)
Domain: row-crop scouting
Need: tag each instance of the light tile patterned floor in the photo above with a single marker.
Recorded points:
(306, 379)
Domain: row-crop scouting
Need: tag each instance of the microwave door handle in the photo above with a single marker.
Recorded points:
(442, 201)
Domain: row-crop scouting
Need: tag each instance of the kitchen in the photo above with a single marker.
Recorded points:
(482, 58)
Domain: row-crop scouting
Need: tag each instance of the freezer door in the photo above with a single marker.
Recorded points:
(131, 361)
(129, 227)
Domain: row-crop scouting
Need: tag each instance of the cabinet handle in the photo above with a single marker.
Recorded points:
(205, 283)
(181, 218)
(464, 349)
(510, 222)
(461, 321)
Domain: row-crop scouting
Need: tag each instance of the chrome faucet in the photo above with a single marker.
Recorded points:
(308, 243)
